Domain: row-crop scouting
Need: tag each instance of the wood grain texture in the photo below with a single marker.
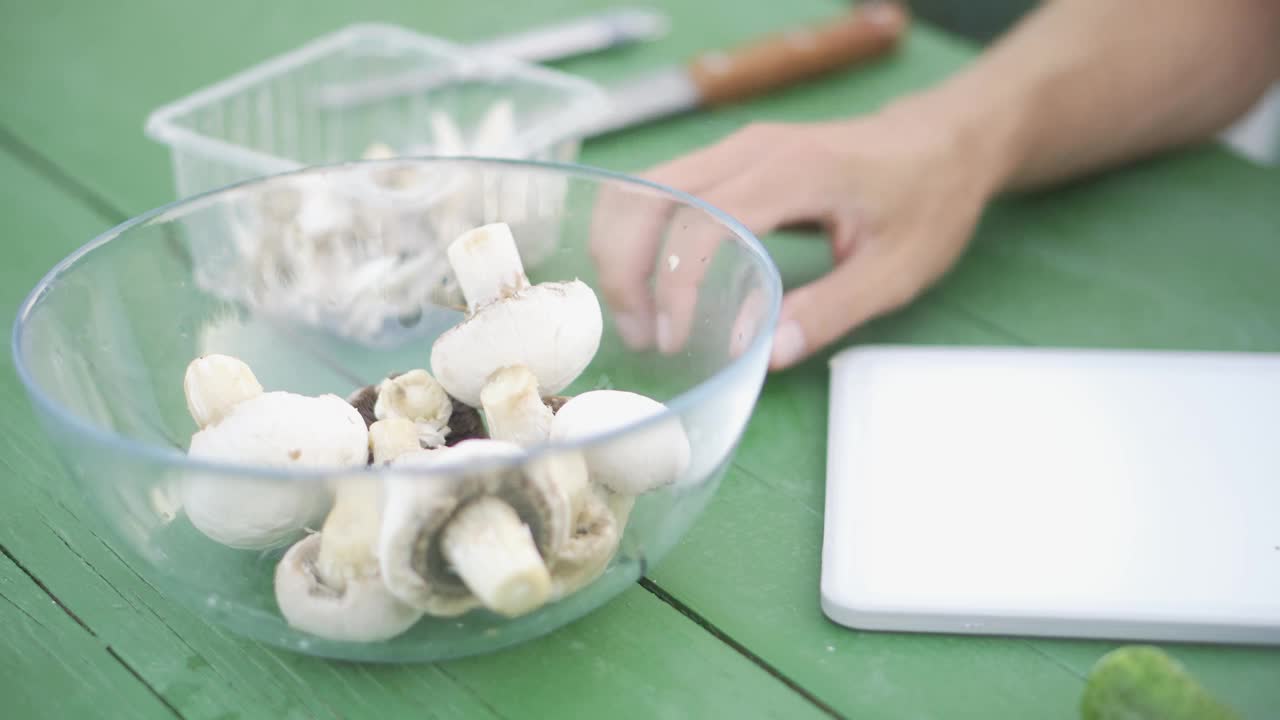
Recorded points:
(53, 667)
(1146, 257)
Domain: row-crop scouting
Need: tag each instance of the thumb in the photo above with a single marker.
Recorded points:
(813, 316)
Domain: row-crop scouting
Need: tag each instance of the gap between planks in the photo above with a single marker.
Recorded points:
(710, 627)
(76, 618)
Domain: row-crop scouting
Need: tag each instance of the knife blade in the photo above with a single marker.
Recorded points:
(578, 36)
(772, 62)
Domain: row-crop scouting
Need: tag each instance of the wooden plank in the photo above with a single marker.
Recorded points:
(638, 653)
(78, 675)
(1176, 253)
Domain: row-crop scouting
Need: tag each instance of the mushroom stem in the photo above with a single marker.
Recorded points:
(349, 534)
(391, 438)
(514, 408)
(487, 264)
(417, 396)
(494, 554)
(349, 537)
(215, 384)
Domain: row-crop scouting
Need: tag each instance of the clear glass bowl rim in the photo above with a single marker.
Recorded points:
(168, 456)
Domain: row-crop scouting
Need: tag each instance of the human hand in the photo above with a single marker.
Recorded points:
(897, 194)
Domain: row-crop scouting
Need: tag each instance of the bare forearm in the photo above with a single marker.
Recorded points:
(1081, 85)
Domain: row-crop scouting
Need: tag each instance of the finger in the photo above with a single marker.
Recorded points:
(626, 230)
(865, 286)
(704, 168)
(754, 199)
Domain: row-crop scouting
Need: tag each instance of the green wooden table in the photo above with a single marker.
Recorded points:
(1182, 252)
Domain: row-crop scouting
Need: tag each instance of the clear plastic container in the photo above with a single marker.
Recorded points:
(103, 341)
(274, 117)
(279, 116)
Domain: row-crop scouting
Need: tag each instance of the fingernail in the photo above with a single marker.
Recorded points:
(634, 329)
(788, 344)
(665, 341)
(883, 13)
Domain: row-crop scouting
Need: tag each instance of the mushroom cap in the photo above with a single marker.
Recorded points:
(251, 514)
(281, 429)
(275, 430)
(551, 328)
(418, 508)
(636, 461)
(363, 611)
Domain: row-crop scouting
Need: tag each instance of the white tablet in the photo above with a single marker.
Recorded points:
(1106, 494)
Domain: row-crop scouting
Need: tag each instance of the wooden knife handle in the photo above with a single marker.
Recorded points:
(785, 58)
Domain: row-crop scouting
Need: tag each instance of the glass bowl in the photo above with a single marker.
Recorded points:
(103, 342)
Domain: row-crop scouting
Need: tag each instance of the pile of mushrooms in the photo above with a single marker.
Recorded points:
(316, 247)
(460, 514)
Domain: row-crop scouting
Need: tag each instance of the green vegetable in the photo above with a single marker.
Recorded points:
(1139, 682)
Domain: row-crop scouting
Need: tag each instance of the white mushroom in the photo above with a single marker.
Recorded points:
(280, 430)
(636, 461)
(417, 396)
(475, 536)
(359, 611)
(551, 328)
(396, 177)
(330, 584)
(517, 413)
(214, 384)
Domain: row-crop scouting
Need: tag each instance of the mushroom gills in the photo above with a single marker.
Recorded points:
(597, 533)
(411, 563)
(421, 510)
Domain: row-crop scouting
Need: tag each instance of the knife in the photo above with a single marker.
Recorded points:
(775, 61)
(578, 36)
